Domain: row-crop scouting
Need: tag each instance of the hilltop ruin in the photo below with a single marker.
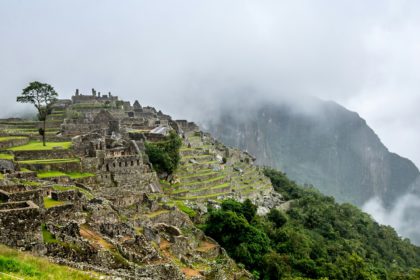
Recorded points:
(91, 198)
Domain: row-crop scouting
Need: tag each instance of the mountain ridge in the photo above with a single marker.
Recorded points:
(325, 145)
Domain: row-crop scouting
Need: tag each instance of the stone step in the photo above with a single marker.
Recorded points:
(223, 188)
(200, 176)
(201, 184)
(197, 158)
(214, 196)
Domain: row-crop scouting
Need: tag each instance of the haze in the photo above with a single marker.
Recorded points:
(190, 57)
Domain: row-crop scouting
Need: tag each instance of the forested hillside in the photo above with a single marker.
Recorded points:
(316, 238)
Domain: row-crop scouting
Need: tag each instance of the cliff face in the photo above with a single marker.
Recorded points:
(327, 146)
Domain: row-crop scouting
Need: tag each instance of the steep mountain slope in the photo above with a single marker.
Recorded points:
(322, 144)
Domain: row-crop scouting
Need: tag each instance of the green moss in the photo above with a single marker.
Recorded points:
(49, 202)
(37, 146)
(1, 176)
(7, 156)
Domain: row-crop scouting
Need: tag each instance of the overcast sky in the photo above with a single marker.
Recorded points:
(187, 56)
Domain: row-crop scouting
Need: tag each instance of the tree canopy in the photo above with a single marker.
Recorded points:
(42, 96)
(316, 238)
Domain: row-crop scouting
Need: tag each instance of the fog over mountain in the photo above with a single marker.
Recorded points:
(191, 58)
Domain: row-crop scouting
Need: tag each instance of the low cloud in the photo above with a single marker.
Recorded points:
(403, 216)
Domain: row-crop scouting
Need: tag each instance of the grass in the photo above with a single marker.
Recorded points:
(78, 175)
(210, 196)
(201, 189)
(187, 210)
(30, 183)
(1, 176)
(49, 202)
(204, 182)
(38, 146)
(47, 236)
(9, 138)
(50, 161)
(72, 175)
(18, 265)
(50, 174)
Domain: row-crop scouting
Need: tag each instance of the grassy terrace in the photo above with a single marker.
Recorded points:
(213, 196)
(7, 156)
(204, 182)
(9, 138)
(72, 175)
(49, 161)
(37, 146)
(49, 202)
(16, 265)
(202, 163)
(222, 186)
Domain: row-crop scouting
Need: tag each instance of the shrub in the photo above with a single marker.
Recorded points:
(165, 155)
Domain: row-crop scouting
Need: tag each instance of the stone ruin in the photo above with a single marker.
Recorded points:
(116, 221)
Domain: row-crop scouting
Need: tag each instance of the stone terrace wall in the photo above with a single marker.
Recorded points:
(64, 167)
(20, 224)
(13, 142)
(48, 154)
(36, 196)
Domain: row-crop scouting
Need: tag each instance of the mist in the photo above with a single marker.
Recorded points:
(191, 58)
(402, 216)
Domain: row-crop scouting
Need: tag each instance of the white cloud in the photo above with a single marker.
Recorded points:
(402, 216)
(179, 55)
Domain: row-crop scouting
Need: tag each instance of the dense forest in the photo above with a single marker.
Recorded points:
(316, 238)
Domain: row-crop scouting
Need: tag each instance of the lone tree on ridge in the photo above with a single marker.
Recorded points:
(42, 96)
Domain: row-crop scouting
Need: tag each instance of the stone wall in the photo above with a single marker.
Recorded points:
(60, 212)
(67, 195)
(13, 142)
(48, 154)
(20, 224)
(36, 196)
(64, 167)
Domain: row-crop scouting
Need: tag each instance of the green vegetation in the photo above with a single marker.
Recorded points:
(315, 239)
(50, 161)
(42, 96)
(38, 146)
(49, 202)
(1, 176)
(165, 155)
(79, 175)
(47, 236)
(187, 210)
(10, 138)
(50, 174)
(18, 265)
(72, 175)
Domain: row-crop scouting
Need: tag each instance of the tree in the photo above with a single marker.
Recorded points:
(164, 155)
(42, 96)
